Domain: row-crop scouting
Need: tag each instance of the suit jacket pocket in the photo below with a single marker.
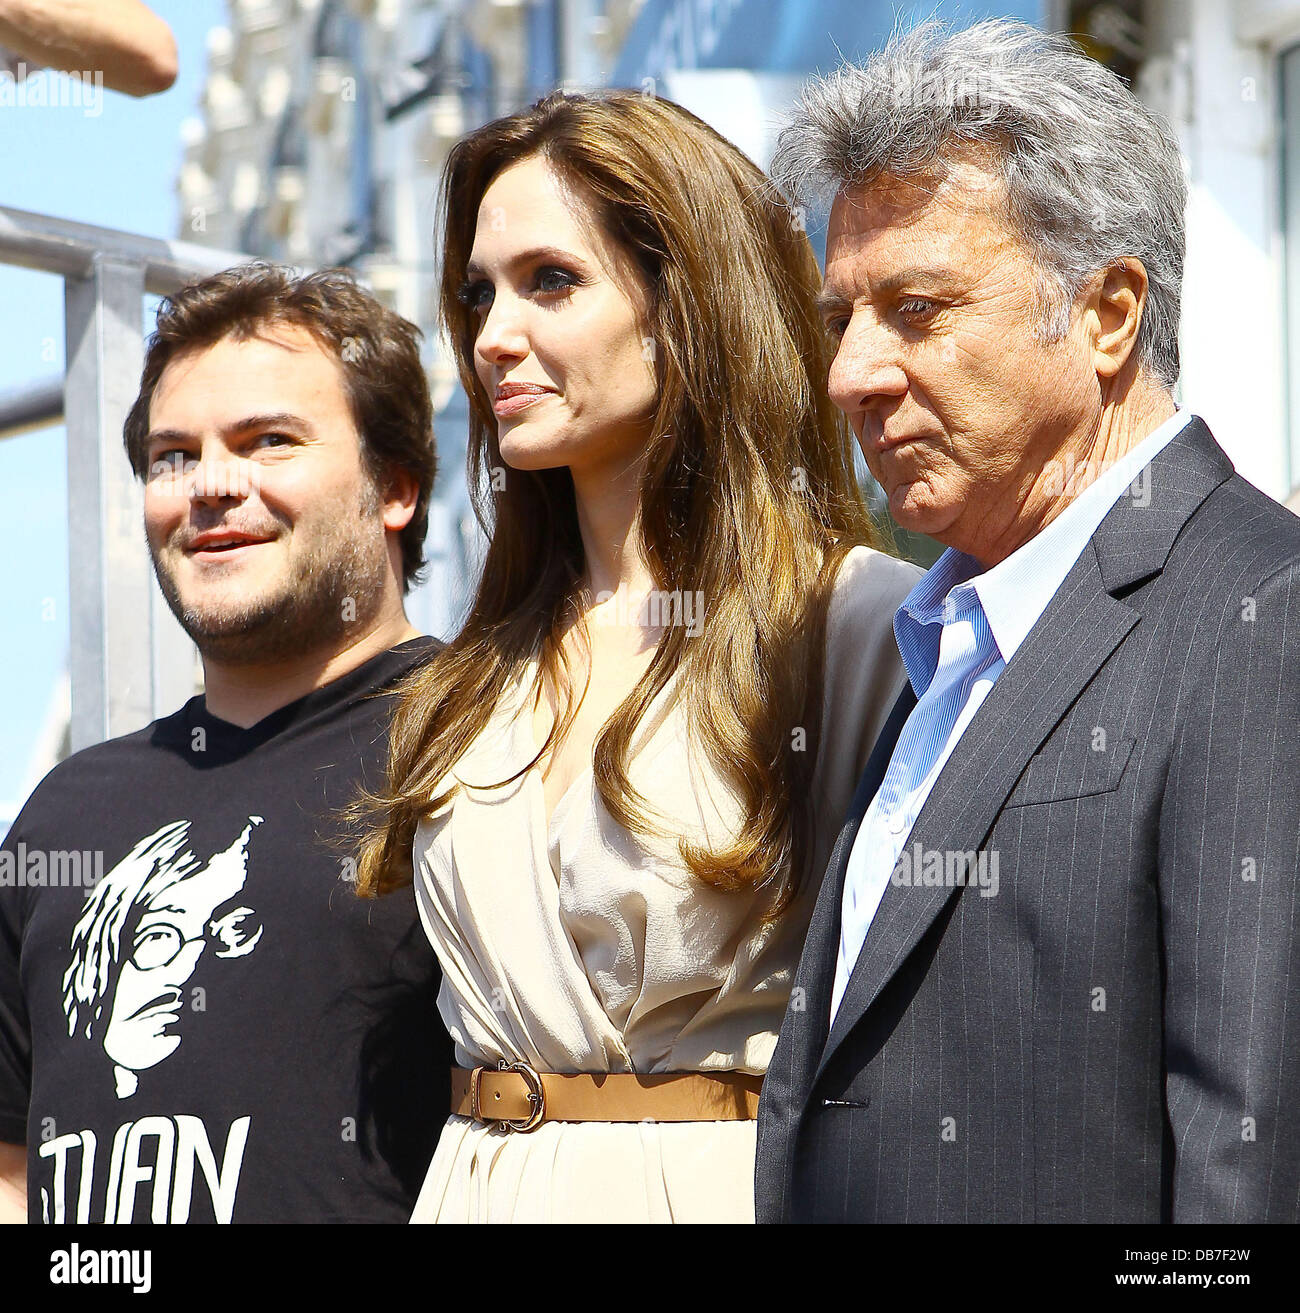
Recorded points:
(1062, 773)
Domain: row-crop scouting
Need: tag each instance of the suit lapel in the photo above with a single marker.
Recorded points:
(1133, 542)
(1081, 627)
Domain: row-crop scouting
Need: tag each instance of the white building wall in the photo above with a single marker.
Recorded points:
(1212, 69)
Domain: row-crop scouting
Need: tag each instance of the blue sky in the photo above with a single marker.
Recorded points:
(117, 170)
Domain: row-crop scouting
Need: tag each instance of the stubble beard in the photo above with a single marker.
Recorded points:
(335, 589)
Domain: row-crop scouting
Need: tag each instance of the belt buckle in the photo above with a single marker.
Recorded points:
(536, 1096)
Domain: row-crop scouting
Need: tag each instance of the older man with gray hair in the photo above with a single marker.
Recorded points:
(1052, 968)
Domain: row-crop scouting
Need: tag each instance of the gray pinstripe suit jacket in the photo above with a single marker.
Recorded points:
(1114, 1036)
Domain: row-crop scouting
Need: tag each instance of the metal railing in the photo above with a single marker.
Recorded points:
(129, 661)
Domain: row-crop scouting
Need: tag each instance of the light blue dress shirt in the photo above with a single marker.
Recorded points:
(956, 630)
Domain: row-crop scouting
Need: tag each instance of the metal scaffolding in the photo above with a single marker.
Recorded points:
(129, 661)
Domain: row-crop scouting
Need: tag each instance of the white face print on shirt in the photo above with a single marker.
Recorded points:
(139, 939)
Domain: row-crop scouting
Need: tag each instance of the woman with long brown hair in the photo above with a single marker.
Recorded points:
(619, 783)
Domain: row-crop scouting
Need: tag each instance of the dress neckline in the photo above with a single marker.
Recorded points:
(524, 716)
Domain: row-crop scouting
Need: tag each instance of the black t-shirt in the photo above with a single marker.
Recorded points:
(199, 1020)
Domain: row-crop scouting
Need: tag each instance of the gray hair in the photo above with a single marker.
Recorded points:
(1091, 175)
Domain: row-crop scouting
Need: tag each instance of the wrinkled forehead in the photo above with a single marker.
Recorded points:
(964, 189)
(952, 216)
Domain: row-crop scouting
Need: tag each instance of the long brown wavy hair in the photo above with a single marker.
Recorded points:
(747, 491)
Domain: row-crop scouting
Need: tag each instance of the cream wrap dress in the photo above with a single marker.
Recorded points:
(582, 947)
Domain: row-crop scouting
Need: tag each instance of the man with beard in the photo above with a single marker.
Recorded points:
(153, 1066)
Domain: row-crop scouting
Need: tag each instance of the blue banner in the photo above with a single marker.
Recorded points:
(779, 36)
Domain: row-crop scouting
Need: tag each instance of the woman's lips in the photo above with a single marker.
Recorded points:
(519, 401)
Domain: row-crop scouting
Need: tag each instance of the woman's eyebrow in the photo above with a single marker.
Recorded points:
(531, 256)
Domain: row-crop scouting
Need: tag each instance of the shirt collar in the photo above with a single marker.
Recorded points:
(918, 623)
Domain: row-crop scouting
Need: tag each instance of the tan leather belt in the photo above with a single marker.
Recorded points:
(514, 1095)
